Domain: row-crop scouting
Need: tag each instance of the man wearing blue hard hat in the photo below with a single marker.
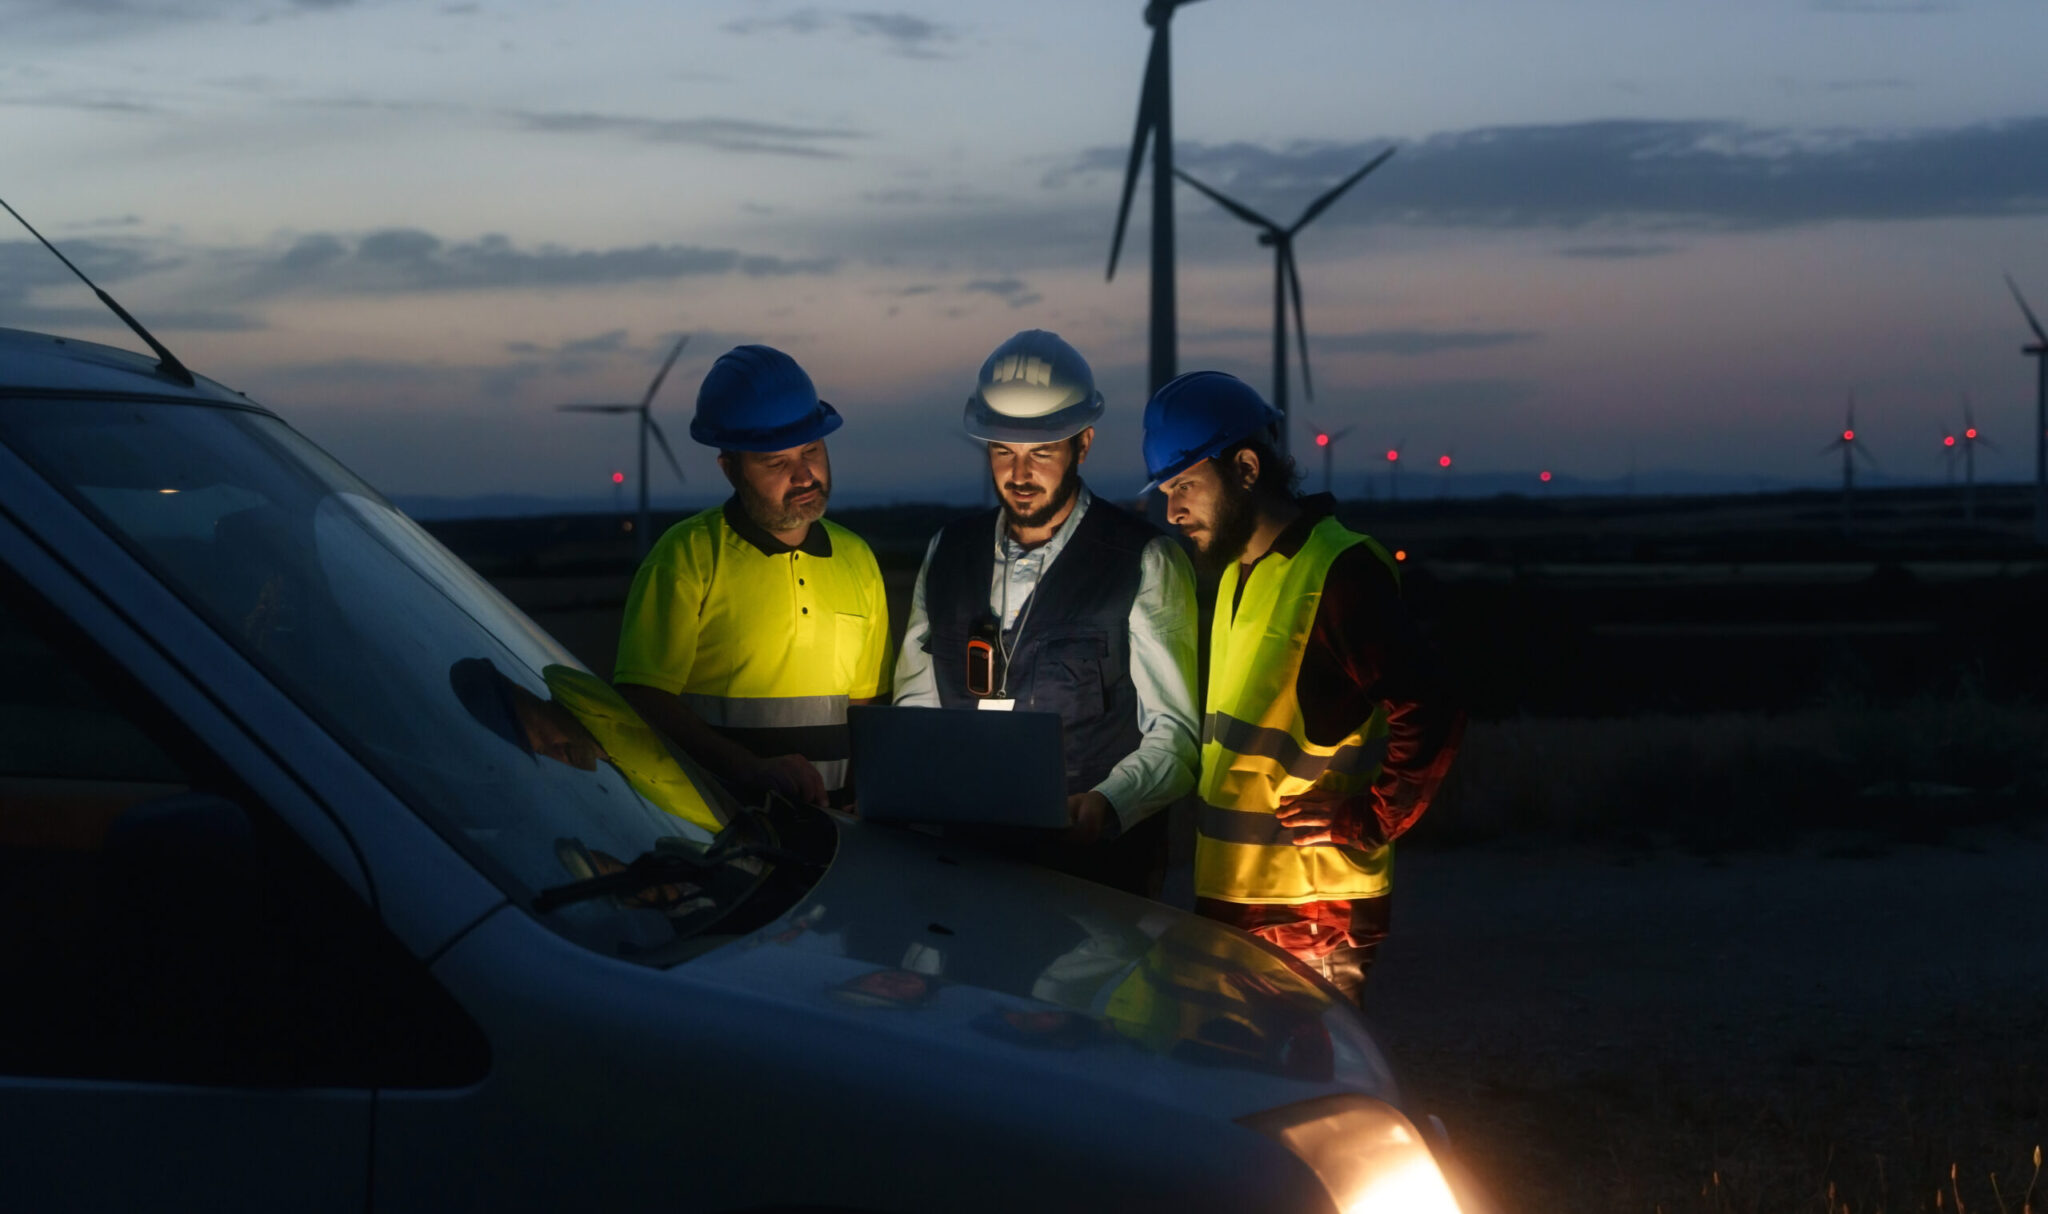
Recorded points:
(1063, 602)
(1327, 730)
(751, 626)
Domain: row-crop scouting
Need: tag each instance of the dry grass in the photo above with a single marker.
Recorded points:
(1746, 779)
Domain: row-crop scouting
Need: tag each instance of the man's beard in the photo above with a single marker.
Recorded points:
(1232, 530)
(788, 515)
(1056, 501)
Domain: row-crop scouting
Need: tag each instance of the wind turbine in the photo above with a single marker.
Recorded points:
(1328, 442)
(1444, 462)
(1155, 122)
(2039, 353)
(1286, 276)
(1847, 442)
(647, 426)
(1971, 438)
(1394, 471)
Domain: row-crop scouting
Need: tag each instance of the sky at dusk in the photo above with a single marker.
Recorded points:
(1663, 234)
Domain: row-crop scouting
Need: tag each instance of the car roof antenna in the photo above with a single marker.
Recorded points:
(169, 365)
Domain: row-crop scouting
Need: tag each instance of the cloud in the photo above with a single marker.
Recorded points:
(1012, 291)
(409, 259)
(722, 134)
(1410, 343)
(1400, 343)
(1426, 397)
(1884, 8)
(1616, 252)
(905, 34)
(1648, 174)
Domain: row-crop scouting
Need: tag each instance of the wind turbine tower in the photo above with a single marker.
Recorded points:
(1850, 452)
(1286, 277)
(1328, 443)
(1394, 471)
(2039, 353)
(1155, 122)
(647, 426)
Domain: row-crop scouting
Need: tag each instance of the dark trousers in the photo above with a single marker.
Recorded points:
(1336, 939)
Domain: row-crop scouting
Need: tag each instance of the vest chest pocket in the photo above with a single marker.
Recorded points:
(1067, 675)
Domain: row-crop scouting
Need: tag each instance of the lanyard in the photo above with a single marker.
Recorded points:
(1030, 601)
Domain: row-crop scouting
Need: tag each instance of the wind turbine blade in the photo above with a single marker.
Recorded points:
(1148, 96)
(662, 440)
(1235, 208)
(597, 408)
(1341, 433)
(1334, 193)
(662, 374)
(2032, 322)
(1308, 388)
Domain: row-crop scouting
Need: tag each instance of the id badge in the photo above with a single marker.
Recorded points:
(996, 704)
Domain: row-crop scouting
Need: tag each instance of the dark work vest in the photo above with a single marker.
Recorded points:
(1073, 654)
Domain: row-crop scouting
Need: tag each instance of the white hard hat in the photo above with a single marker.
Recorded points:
(1035, 388)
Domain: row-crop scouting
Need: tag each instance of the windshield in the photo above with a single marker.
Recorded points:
(534, 767)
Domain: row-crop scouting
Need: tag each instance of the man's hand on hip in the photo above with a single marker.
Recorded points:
(1321, 815)
(1089, 812)
(794, 777)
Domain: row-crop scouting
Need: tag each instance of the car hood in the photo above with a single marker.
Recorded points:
(926, 939)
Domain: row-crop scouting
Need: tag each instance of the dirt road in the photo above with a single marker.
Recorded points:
(1607, 1032)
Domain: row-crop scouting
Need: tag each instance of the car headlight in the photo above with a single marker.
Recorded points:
(1370, 1158)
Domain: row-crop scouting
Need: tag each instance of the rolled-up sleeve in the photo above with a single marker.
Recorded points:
(1162, 631)
(916, 686)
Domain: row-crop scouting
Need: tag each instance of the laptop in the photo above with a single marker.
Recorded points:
(956, 765)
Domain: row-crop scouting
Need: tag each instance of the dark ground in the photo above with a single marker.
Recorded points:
(1740, 887)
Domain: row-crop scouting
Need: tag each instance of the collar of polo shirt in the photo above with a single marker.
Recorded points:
(816, 541)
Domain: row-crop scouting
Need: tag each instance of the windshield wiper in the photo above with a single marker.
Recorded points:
(675, 861)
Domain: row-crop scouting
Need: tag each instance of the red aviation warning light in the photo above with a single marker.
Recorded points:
(1970, 433)
(1544, 477)
(1322, 440)
(1392, 455)
(1443, 461)
(1948, 440)
(1848, 436)
(618, 478)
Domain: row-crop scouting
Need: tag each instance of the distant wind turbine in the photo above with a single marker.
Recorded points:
(1328, 442)
(1286, 276)
(1394, 471)
(647, 426)
(1850, 451)
(1155, 122)
(2039, 353)
(1971, 439)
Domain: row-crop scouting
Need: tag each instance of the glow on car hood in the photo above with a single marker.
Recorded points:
(924, 939)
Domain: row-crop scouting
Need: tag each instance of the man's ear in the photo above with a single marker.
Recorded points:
(1082, 441)
(1246, 468)
(729, 463)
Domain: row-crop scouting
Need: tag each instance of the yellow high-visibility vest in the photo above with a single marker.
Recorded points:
(1255, 749)
(765, 642)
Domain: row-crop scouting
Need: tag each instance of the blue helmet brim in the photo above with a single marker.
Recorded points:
(781, 438)
(986, 425)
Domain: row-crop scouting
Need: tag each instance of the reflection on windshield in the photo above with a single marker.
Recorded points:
(473, 715)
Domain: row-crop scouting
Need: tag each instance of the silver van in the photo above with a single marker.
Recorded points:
(330, 882)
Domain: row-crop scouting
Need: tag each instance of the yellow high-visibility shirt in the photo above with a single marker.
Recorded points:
(765, 642)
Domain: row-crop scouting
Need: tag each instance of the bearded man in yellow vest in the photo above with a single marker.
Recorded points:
(1326, 731)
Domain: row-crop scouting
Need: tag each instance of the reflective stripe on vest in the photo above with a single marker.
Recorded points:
(1255, 749)
(811, 726)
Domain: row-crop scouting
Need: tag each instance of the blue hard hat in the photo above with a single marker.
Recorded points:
(1034, 388)
(1195, 416)
(755, 398)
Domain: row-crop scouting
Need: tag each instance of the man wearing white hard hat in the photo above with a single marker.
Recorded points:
(1060, 601)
